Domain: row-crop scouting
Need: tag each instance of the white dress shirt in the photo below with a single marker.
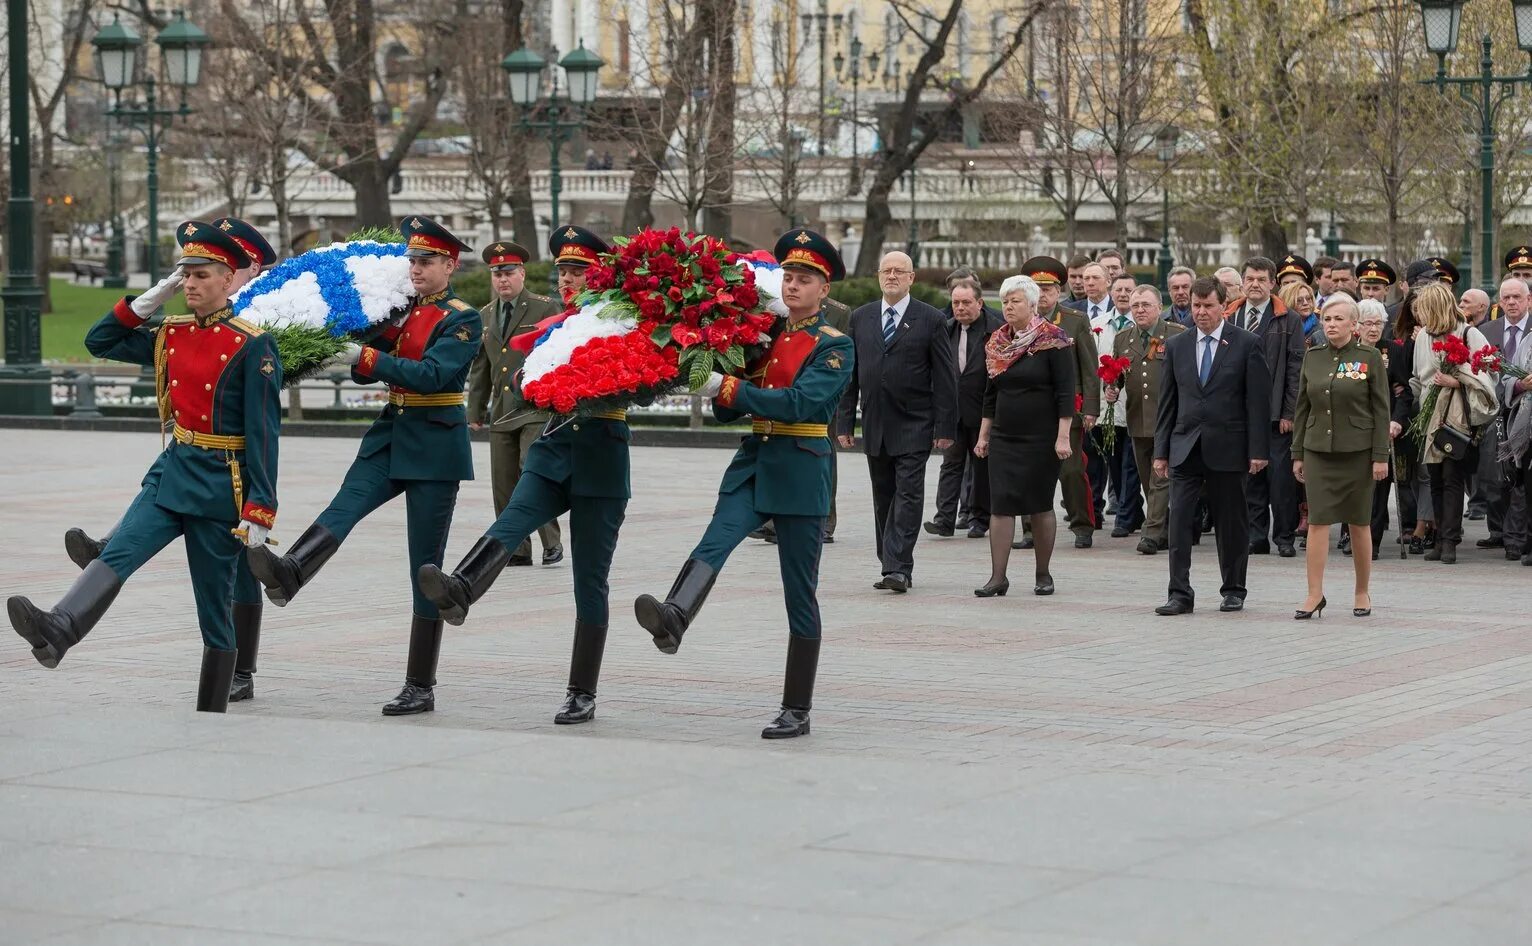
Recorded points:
(1217, 336)
(1110, 322)
(899, 310)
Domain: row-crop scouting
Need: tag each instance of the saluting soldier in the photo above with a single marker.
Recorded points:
(1144, 345)
(1079, 505)
(217, 381)
(781, 471)
(82, 549)
(513, 427)
(579, 467)
(418, 446)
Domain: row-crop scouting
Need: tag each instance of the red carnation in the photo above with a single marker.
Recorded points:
(1111, 369)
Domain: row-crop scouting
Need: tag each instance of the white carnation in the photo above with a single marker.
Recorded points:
(575, 331)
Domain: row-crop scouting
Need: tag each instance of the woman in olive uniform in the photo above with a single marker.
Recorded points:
(1340, 446)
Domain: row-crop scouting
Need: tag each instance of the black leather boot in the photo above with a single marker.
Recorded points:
(82, 549)
(285, 575)
(213, 686)
(247, 638)
(667, 620)
(420, 672)
(52, 633)
(584, 672)
(453, 594)
(797, 690)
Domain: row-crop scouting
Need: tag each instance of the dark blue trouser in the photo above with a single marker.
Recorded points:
(428, 514)
(799, 542)
(594, 522)
(213, 555)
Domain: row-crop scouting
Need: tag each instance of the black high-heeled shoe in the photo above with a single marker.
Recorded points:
(993, 589)
(1318, 611)
(1363, 612)
(1044, 585)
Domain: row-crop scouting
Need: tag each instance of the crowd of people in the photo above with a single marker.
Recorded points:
(1263, 404)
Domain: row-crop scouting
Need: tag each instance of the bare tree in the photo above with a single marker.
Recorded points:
(934, 97)
(771, 130)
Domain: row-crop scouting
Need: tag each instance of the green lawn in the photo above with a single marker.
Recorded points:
(75, 309)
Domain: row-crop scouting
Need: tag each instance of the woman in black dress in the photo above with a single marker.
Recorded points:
(1029, 403)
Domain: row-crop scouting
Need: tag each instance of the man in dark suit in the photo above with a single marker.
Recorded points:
(906, 382)
(1508, 526)
(968, 329)
(1213, 428)
(1273, 494)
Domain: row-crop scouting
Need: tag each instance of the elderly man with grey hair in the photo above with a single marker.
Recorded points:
(1504, 505)
(1475, 305)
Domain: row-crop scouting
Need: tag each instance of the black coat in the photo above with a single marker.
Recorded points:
(1283, 343)
(908, 390)
(972, 379)
(1229, 416)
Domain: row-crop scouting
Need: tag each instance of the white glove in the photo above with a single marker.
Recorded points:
(349, 355)
(712, 386)
(163, 292)
(254, 534)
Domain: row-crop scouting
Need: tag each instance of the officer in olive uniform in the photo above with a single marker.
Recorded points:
(513, 426)
(1079, 505)
(1373, 277)
(1294, 268)
(1342, 415)
(1140, 397)
(418, 446)
(781, 472)
(1518, 263)
(218, 381)
(580, 467)
(574, 249)
(82, 549)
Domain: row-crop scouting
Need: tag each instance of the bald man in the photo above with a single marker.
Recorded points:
(1475, 304)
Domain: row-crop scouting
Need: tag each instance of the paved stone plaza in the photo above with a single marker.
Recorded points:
(1070, 771)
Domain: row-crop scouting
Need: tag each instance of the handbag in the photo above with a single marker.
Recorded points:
(1454, 442)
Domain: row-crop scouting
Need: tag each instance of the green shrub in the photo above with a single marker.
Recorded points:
(860, 290)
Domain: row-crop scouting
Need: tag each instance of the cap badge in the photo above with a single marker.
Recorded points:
(191, 229)
(415, 223)
(803, 237)
(226, 226)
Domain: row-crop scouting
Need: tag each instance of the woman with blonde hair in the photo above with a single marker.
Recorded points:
(1465, 402)
(1340, 446)
(1299, 298)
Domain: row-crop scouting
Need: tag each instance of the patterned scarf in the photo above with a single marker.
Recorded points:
(1006, 345)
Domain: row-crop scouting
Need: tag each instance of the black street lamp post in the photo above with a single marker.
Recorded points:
(24, 382)
(854, 73)
(524, 72)
(823, 19)
(181, 45)
(1165, 144)
(1441, 20)
(116, 276)
(1332, 238)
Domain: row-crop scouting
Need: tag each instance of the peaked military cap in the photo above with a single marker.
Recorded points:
(805, 249)
(1444, 268)
(1519, 257)
(1376, 270)
(202, 243)
(1293, 263)
(249, 240)
(505, 253)
(1045, 271)
(426, 237)
(575, 246)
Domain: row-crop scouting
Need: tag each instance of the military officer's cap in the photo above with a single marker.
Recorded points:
(1376, 270)
(1045, 271)
(1445, 269)
(1519, 257)
(425, 237)
(249, 240)
(505, 253)
(799, 248)
(202, 243)
(1293, 263)
(576, 246)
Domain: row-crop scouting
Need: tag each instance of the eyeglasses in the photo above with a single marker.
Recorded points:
(896, 272)
(1376, 322)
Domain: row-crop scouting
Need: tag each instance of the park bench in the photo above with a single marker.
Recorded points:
(88, 269)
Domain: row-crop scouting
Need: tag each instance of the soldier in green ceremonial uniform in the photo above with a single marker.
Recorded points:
(218, 381)
(82, 549)
(1138, 393)
(513, 426)
(579, 467)
(781, 472)
(418, 446)
(1079, 506)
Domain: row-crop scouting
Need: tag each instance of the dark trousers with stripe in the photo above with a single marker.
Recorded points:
(799, 542)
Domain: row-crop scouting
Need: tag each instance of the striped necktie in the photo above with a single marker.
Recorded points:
(890, 318)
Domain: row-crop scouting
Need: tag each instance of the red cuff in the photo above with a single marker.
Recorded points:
(728, 391)
(259, 515)
(123, 312)
(365, 364)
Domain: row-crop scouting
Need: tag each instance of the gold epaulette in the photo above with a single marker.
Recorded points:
(831, 331)
(537, 298)
(459, 305)
(177, 319)
(250, 329)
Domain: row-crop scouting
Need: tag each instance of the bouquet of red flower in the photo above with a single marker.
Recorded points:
(658, 316)
(1451, 353)
(1110, 371)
